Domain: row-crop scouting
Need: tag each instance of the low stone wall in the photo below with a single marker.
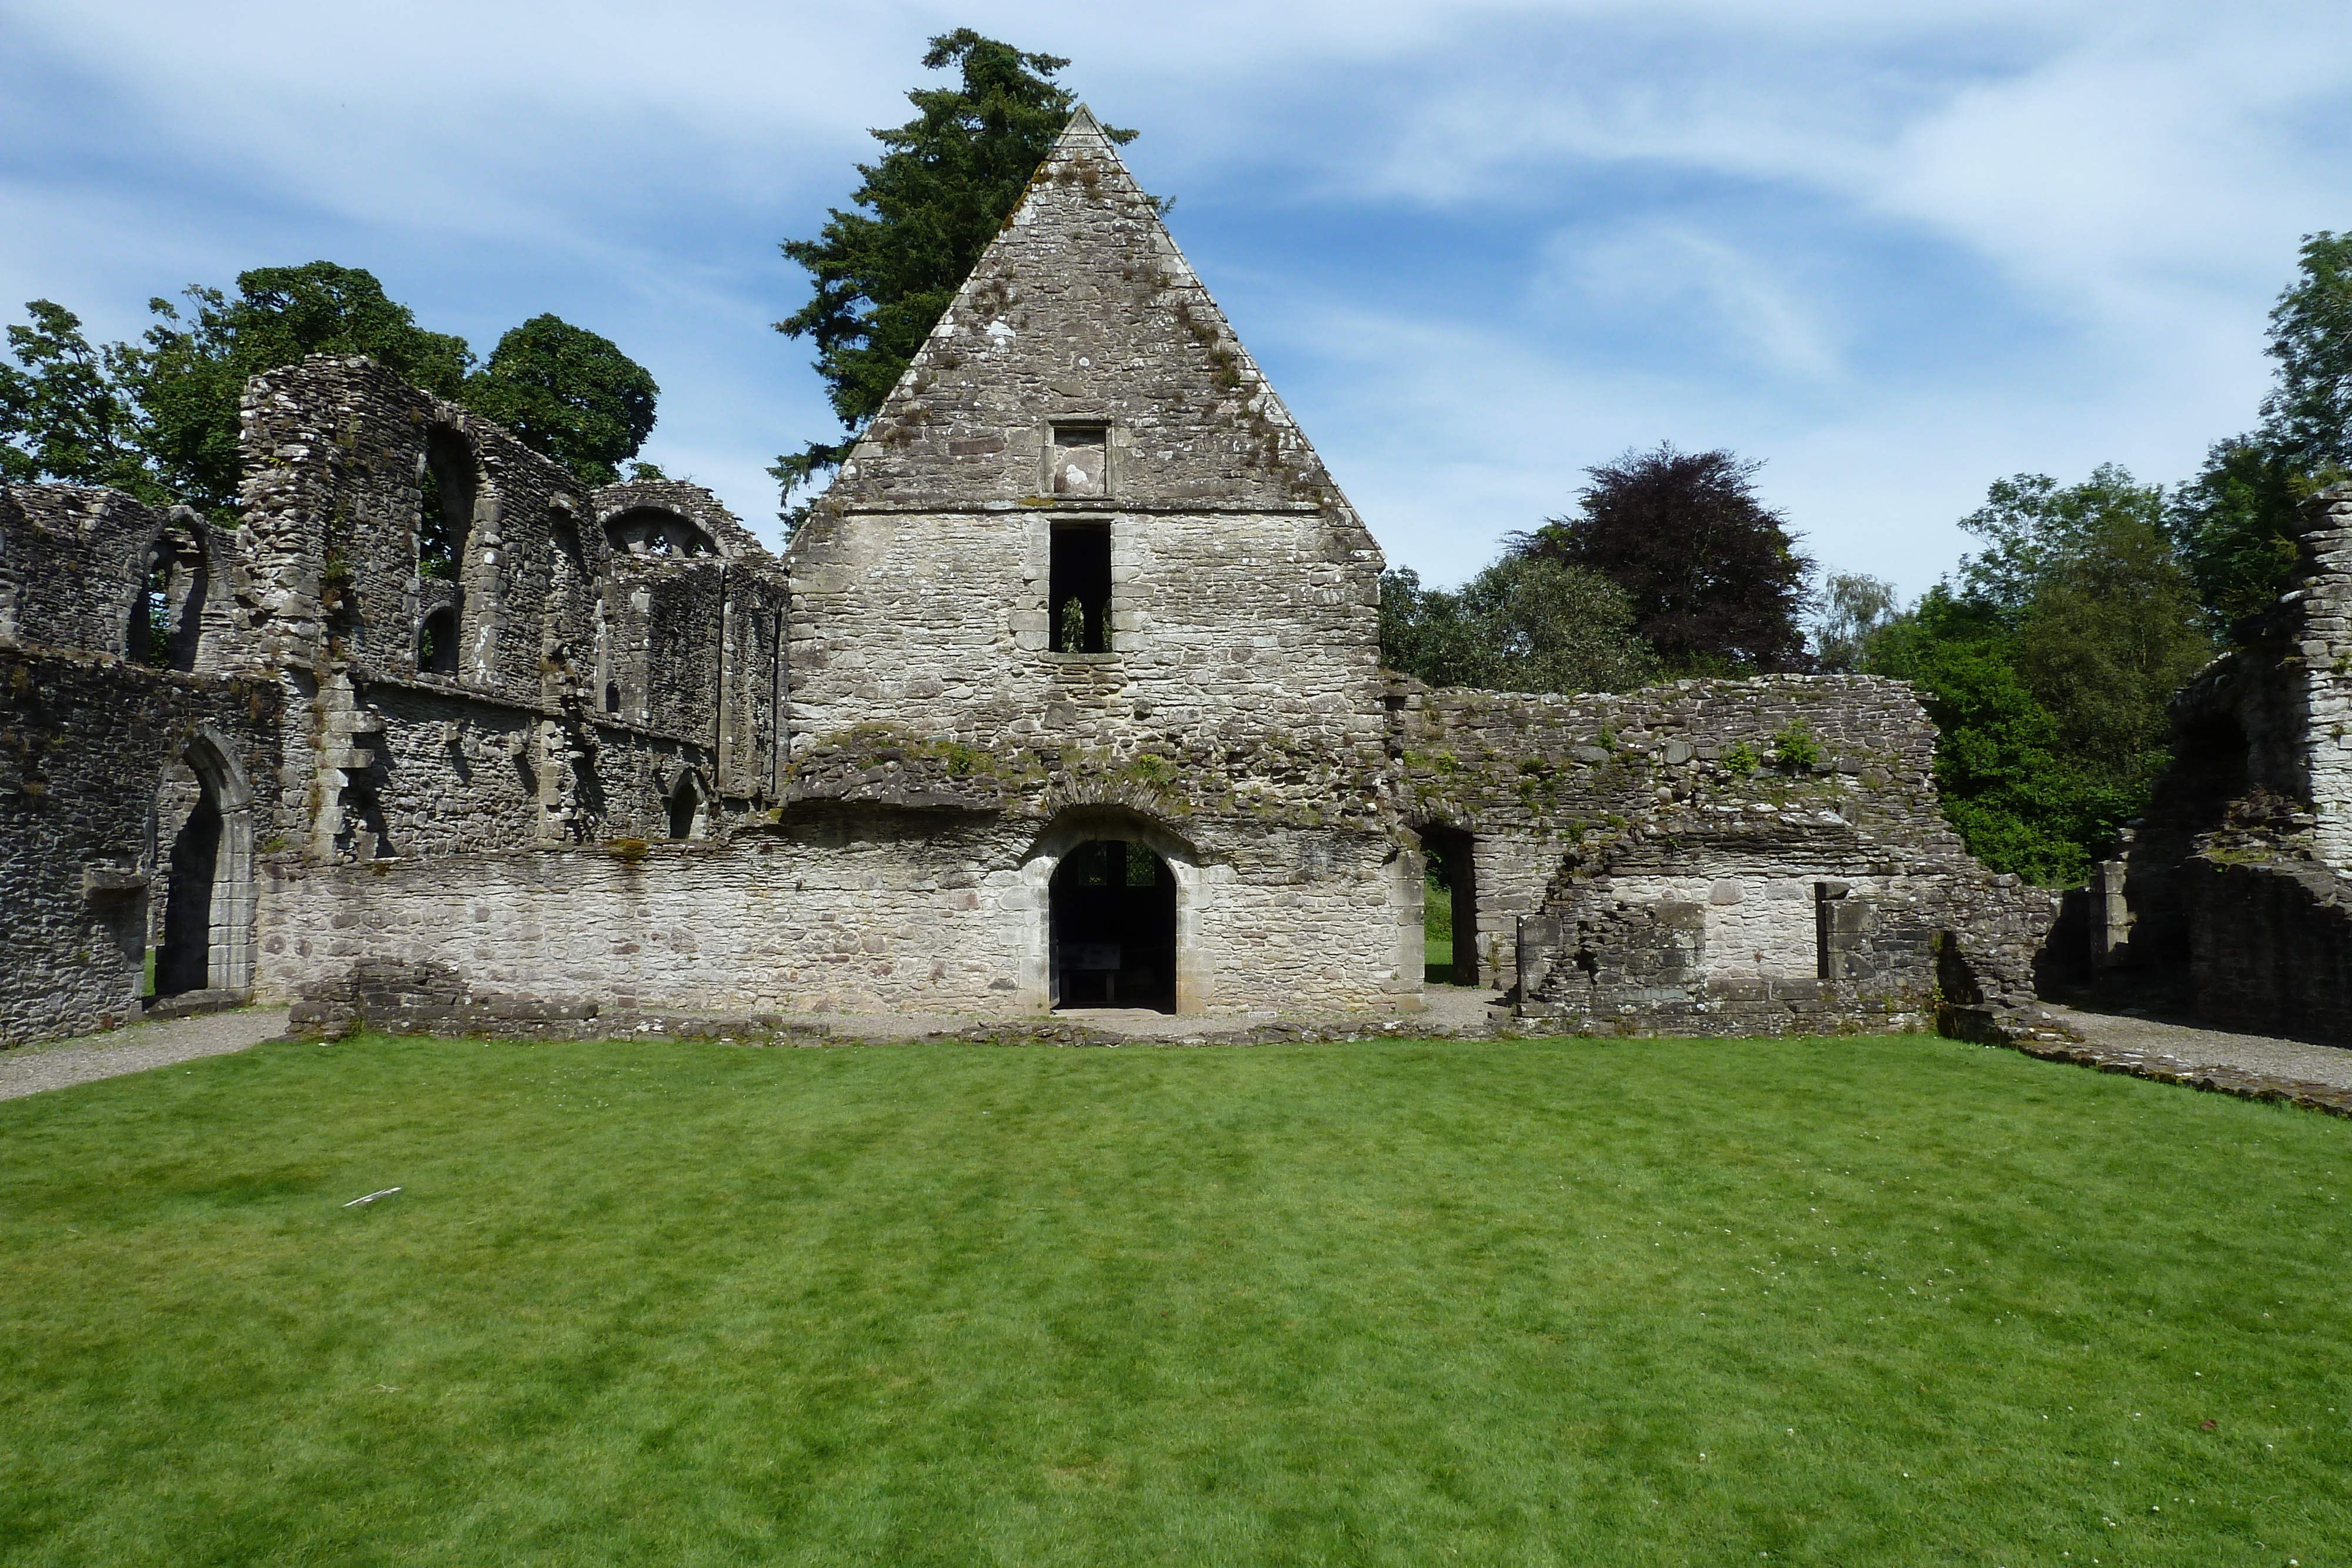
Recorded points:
(833, 910)
(2238, 1082)
(1719, 857)
(2270, 939)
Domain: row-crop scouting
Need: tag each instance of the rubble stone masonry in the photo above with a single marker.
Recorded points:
(453, 734)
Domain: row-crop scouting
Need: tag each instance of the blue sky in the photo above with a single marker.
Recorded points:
(1895, 252)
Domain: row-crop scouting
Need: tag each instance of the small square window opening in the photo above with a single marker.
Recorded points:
(1080, 456)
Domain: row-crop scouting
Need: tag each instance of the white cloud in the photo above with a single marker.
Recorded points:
(1896, 250)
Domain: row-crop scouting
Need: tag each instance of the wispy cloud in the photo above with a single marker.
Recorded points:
(1894, 250)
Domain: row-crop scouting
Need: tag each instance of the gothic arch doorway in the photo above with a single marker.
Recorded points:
(203, 858)
(183, 954)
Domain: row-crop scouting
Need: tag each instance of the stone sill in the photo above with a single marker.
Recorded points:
(1079, 659)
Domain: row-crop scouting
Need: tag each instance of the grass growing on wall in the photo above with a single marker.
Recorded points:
(1869, 1302)
(1437, 931)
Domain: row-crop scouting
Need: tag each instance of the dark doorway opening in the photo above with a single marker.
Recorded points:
(184, 963)
(1114, 928)
(1451, 951)
(1078, 588)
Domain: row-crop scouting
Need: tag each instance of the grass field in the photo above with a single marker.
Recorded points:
(1437, 931)
(1869, 1302)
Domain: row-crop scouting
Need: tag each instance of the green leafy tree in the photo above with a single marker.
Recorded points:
(2237, 523)
(1714, 578)
(1523, 624)
(2049, 669)
(2112, 633)
(1854, 607)
(1425, 632)
(2308, 415)
(62, 414)
(2235, 527)
(2015, 800)
(159, 418)
(945, 185)
(189, 375)
(2032, 526)
(567, 393)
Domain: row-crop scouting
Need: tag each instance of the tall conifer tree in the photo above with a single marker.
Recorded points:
(946, 183)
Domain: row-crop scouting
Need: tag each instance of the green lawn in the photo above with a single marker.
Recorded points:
(1868, 1302)
(1437, 933)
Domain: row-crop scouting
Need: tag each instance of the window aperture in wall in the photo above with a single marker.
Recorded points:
(653, 532)
(1079, 463)
(166, 619)
(686, 808)
(1078, 588)
(448, 483)
(436, 644)
(151, 632)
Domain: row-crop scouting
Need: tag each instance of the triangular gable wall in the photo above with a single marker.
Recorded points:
(1084, 311)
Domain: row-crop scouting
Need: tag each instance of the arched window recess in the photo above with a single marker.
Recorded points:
(167, 610)
(449, 480)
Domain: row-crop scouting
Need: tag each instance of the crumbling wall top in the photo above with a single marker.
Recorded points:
(726, 536)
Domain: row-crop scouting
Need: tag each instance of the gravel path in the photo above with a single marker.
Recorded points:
(2204, 1048)
(29, 1069)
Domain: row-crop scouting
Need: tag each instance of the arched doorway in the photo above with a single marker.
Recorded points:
(202, 857)
(1114, 927)
(183, 957)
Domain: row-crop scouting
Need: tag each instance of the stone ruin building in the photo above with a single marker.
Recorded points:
(2233, 897)
(1066, 694)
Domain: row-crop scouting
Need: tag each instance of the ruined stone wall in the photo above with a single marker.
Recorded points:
(1084, 311)
(371, 753)
(336, 455)
(2270, 942)
(1231, 630)
(2320, 664)
(586, 681)
(835, 909)
(74, 565)
(1244, 589)
(1716, 856)
(617, 506)
(2230, 879)
(1083, 387)
(86, 743)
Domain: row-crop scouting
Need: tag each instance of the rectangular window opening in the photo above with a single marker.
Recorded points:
(1078, 588)
(1081, 460)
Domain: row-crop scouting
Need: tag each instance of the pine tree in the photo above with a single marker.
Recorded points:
(945, 185)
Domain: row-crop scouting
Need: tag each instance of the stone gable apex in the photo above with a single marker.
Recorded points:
(1083, 315)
